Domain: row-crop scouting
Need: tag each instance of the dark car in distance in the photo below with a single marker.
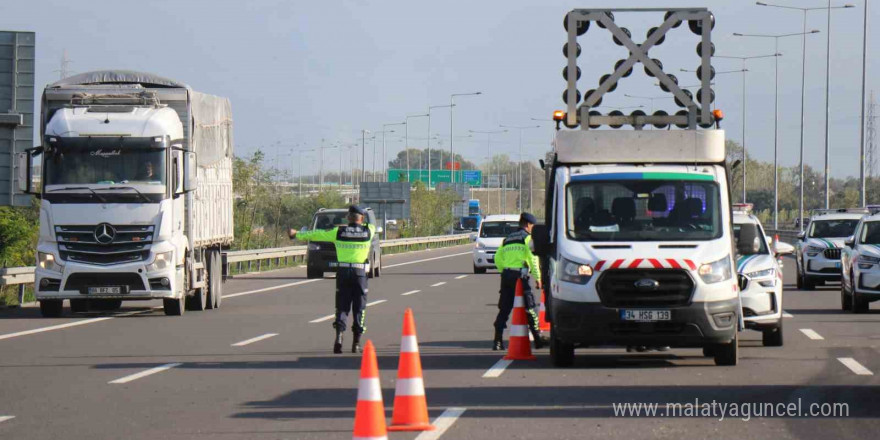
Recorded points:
(320, 254)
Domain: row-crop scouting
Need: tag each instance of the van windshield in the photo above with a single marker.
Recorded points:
(643, 210)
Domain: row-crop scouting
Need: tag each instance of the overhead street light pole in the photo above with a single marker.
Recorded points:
(776, 38)
(363, 153)
(743, 111)
(451, 133)
(519, 162)
(488, 134)
(384, 160)
(406, 140)
(429, 138)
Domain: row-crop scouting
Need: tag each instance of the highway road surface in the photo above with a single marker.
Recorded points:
(262, 368)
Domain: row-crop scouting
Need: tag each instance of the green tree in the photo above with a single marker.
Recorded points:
(430, 211)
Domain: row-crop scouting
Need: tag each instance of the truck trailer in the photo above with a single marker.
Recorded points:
(134, 177)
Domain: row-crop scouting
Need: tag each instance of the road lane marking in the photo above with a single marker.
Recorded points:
(266, 289)
(145, 373)
(855, 366)
(438, 284)
(442, 423)
(787, 315)
(329, 317)
(410, 292)
(460, 277)
(73, 324)
(811, 334)
(498, 368)
(252, 340)
(426, 259)
(5, 418)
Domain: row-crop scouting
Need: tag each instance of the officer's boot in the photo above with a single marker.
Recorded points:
(337, 345)
(356, 343)
(498, 344)
(539, 340)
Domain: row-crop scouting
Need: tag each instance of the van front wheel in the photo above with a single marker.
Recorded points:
(727, 354)
(561, 353)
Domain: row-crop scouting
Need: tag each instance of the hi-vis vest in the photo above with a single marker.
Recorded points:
(516, 253)
(352, 242)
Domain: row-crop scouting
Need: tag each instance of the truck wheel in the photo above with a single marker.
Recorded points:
(51, 308)
(859, 303)
(106, 305)
(173, 306)
(479, 269)
(214, 281)
(846, 299)
(773, 337)
(314, 273)
(561, 353)
(727, 354)
(79, 305)
(199, 300)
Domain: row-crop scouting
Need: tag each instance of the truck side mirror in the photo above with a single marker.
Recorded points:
(25, 175)
(190, 182)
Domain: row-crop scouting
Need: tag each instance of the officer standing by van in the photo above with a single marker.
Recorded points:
(515, 260)
(353, 243)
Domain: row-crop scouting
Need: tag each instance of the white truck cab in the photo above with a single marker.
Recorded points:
(819, 246)
(759, 275)
(640, 242)
(493, 230)
(860, 261)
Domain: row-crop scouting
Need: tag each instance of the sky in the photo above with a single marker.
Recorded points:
(299, 72)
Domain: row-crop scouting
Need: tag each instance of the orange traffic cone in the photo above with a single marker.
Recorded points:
(543, 325)
(519, 347)
(410, 407)
(369, 417)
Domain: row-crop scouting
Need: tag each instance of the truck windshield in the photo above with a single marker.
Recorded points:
(474, 210)
(870, 233)
(832, 228)
(104, 160)
(498, 229)
(643, 210)
(748, 239)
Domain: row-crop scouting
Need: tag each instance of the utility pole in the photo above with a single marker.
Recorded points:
(364, 153)
(519, 163)
(451, 132)
(862, 184)
(429, 139)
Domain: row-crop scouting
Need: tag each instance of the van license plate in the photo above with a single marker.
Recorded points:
(645, 315)
(115, 290)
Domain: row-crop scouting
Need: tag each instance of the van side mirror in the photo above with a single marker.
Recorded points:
(473, 237)
(850, 242)
(541, 240)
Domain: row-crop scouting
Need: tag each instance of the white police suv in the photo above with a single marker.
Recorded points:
(818, 250)
(759, 276)
(860, 261)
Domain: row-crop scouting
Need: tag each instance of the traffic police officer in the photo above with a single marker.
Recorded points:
(353, 243)
(515, 260)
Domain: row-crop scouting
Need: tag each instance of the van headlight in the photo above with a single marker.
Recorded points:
(575, 272)
(47, 261)
(716, 271)
(162, 261)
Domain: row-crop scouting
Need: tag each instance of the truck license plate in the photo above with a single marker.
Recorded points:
(645, 315)
(115, 290)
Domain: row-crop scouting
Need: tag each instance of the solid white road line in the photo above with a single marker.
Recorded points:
(266, 289)
(55, 327)
(787, 315)
(5, 418)
(252, 340)
(145, 373)
(442, 423)
(329, 317)
(498, 368)
(811, 334)
(438, 284)
(855, 366)
(460, 277)
(410, 292)
(426, 259)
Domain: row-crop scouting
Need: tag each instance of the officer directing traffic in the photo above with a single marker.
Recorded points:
(352, 243)
(515, 260)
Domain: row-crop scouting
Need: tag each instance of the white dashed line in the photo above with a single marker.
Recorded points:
(5, 418)
(460, 277)
(329, 317)
(252, 340)
(855, 366)
(442, 423)
(145, 373)
(378, 301)
(426, 259)
(410, 292)
(787, 315)
(811, 334)
(73, 324)
(498, 368)
(438, 284)
(266, 289)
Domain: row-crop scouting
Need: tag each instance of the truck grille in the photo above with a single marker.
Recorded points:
(832, 254)
(104, 244)
(617, 288)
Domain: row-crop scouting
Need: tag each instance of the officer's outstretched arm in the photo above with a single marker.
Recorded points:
(318, 235)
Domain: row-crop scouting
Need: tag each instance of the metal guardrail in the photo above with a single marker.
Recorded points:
(785, 235)
(22, 276)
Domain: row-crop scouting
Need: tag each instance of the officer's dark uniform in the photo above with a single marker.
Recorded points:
(353, 243)
(515, 260)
